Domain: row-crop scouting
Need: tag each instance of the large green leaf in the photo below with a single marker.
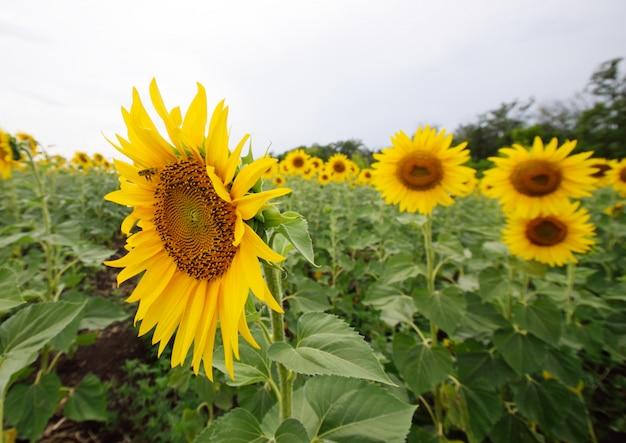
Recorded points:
(542, 318)
(29, 330)
(29, 407)
(444, 308)
(87, 401)
(522, 351)
(421, 365)
(510, 428)
(241, 426)
(327, 345)
(354, 411)
(546, 403)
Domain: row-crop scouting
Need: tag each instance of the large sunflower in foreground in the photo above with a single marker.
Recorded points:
(191, 199)
(421, 173)
(540, 179)
(550, 238)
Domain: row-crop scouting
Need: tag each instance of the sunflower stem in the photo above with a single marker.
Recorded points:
(285, 376)
(571, 268)
(431, 275)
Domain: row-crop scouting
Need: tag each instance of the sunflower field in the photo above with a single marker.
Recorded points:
(414, 299)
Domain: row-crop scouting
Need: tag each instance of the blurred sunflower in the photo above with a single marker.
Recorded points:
(323, 176)
(278, 180)
(82, 161)
(28, 139)
(421, 172)
(296, 161)
(601, 168)
(365, 176)
(6, 155)
(338, 166)
(617, 176)
(550, 238)
(540, 179)
(190, 197)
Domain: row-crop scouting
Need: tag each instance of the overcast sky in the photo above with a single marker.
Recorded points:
(293, 72)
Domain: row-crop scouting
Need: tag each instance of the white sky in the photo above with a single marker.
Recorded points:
(293, 72)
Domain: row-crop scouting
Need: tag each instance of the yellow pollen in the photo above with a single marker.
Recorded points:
(546, 231)
(420, 171)
(196, 226)
(536, 178)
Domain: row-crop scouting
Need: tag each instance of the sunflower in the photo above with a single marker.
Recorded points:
(549, 238)
(338, 166)
(278, 180)
(617, 176)
(421, 172)
(601, 168)
(540, 179)
(198, 257)
(365, 176)
(82, 161)
(296, 161)
(324, 176)
(6, 155)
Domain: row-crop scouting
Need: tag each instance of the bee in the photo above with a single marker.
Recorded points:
(147, 173)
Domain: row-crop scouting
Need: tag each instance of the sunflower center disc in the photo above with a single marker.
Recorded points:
(536, 178)
(420, 172)
(601, 170)
(622, 175)
(196, 226)
(546, 231)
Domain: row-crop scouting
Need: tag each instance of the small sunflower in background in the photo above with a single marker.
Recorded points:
(296, 161)
(191, 199)
(7, 161)
(278, 180)
(338, 166)
(324, 176)
(422, 172)
(541, 179)
(617, 176)
(365, 177)
(550, 238)
(28, 139)
(82, 161)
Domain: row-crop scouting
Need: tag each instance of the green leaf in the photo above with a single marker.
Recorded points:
(474, 366)
(29, 407)
(399, 268)
(444, 308)
(494, 284)
(542, 318)
(297, 232)
(395, 307)
(474, 409)
(354, 411)
(254, 365)
(91, 254)
(421, 366)
(99, 313)
(512, 429)
(546, 403)
(522, 351)
(291, 431)
(564, 365)
(238, 426)
(479, 318)
(10, 296)
(29, 330)
(310, 296)
(87, 401)
(327, 345)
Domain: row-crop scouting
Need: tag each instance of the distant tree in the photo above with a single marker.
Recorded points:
(602, 128)
(494, 129)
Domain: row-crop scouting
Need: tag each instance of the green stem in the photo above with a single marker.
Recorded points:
(285, 376)
(571, 268)
(431, 275)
